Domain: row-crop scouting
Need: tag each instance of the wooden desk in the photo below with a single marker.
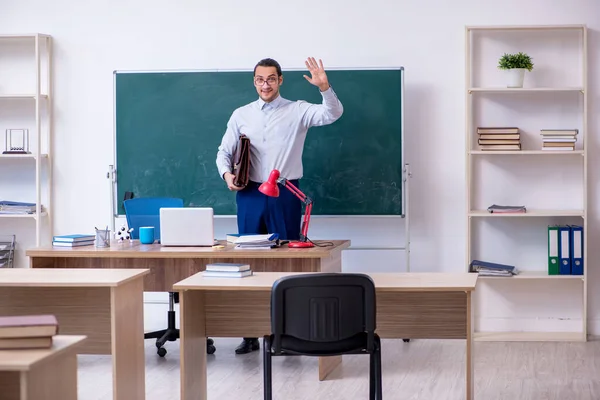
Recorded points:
(105, 305)
(409, 305)
(41, 374)
(169, 265)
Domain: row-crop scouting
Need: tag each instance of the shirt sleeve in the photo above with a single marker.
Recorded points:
(329, 111)
(227, 147)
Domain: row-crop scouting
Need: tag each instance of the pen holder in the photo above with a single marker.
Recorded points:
(102, 238)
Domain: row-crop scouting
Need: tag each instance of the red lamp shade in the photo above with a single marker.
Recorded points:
(270, 188)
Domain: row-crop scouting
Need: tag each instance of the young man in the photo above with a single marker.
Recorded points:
(277, 130)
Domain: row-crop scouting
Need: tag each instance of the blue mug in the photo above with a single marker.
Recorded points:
(147, 234)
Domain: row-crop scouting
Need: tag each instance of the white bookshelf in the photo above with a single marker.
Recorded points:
(551, 184)
(26, 103)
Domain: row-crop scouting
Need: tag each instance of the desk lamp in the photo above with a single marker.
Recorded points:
(271, 189)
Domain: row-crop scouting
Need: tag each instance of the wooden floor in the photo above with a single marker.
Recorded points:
(421, 369)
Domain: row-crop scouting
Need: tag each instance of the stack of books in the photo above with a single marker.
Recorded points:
(27, 331)
(559, 139)
(73, 240)
(17, 207)
(486, 268)
(499, 138)
(256, 242)
(227, 270)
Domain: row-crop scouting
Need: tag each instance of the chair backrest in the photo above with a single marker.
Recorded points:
(145, 211)
(323, 307)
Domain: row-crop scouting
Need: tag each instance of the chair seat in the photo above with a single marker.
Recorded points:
(353, 344)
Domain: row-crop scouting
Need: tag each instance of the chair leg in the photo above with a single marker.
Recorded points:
(171, 334)
(267, 384)
(378, 368)
(372, 379)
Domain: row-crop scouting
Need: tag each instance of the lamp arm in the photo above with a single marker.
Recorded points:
(307, 201)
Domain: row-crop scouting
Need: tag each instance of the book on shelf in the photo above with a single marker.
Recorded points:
(227, 270)
(486, 268)
(17, 207)
(27, 331)
(498, 209)
(499, 138)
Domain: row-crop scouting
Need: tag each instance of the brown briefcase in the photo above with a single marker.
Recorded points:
(241, 162)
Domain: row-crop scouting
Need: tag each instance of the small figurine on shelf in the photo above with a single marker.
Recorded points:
(124, 234)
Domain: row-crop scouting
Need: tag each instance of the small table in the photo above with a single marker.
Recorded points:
(409, 305)
(41, 374)
(106, 305)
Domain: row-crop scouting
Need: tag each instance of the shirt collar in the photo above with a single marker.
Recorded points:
(274, 104)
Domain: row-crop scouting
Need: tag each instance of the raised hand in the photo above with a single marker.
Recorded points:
(318, 75)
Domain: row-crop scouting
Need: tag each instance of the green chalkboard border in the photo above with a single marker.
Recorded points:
(117, 203)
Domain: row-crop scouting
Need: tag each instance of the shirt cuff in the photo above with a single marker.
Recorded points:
(222, 171)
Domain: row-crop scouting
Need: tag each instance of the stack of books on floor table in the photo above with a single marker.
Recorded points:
(499, 138)
(227, 270)
(27, 331)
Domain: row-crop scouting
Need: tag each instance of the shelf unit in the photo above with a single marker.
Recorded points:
(546, 92)
(30, 88)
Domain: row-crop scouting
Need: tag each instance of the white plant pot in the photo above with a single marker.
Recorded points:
(515, 77)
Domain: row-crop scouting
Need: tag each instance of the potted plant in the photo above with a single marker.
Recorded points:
(515, 66)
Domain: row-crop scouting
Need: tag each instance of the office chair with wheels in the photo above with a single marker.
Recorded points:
(145, 211)
(320, 315)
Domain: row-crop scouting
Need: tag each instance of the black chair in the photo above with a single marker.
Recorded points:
(320, 315)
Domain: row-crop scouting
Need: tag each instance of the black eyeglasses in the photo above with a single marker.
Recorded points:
(261, 81)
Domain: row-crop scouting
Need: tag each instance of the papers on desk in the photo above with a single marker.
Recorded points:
(256, 242)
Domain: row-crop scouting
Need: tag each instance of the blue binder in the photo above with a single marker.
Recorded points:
(576, 244)
(564, 247)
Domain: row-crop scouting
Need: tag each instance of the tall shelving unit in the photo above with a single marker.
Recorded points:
(26, 80)
(551, 184)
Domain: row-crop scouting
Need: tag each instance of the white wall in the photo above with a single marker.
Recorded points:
(94, 38)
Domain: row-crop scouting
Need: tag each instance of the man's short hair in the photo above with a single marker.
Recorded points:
(268, 62)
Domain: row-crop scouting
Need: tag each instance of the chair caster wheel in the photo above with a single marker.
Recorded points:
(406, 340)
(210, 349)
(161, 352)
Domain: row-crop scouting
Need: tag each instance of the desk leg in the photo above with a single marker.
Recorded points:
(327, 365)
(192, 345)
(127, 316)
(469, 361)
(56, 379)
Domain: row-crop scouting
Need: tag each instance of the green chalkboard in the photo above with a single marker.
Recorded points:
(169, 125)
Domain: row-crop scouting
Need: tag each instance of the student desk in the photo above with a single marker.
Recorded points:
(41, 374)
(169, 265)
(409, 305)
(105, 305)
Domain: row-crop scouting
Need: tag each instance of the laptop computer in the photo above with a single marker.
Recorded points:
(187, 226)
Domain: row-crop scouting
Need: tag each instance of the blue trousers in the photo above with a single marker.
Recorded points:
(259, 214)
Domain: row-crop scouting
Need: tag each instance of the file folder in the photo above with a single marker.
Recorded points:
(553, 250)
(576, 242)
(564, 247)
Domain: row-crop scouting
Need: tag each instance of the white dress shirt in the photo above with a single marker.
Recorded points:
(277, 131)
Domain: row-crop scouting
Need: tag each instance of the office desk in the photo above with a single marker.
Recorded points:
(409, 305)
(169, 265)
(106, 305)
(41, 374)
